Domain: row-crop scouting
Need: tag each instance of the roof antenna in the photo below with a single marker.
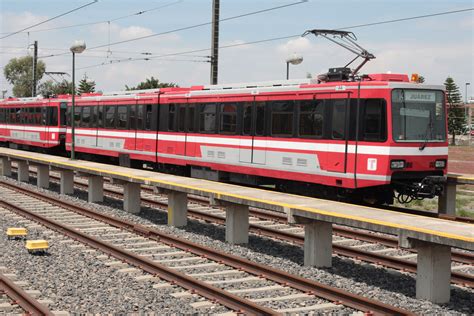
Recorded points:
(348, 41)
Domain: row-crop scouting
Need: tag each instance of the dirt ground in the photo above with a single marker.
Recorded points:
(461, 159)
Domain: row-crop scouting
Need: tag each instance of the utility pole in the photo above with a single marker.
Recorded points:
(35, 65)
(215, 41)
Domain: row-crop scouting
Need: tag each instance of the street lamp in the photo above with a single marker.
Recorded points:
(295, 59)
(76, 48)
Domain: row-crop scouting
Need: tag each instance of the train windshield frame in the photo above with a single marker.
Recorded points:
(418, 115)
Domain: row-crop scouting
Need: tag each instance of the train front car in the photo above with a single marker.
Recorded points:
(418, 142)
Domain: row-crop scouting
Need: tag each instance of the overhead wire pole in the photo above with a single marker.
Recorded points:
(215, 41)
(35, 66)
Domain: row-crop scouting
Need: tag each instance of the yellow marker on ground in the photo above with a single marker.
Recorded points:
(36, 245)
(16, 232)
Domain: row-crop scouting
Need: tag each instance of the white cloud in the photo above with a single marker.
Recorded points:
(134, 31)
(14, 22)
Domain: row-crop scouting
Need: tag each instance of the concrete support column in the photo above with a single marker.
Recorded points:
(318, 244)
(96, 189)
(447, 201)
(6, 167)
(67, 182)
(23, 171)
(177, 209)
(433, 275)
(131, 198)
(42, 176)
(236, 223)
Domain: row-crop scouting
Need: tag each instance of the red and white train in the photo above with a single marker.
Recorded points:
(362, 140)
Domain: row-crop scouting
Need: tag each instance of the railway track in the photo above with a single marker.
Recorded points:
(275, 226)
(20, 297)
(215, 275)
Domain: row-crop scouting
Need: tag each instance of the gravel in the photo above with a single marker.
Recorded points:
(386, 285)
(76, 281)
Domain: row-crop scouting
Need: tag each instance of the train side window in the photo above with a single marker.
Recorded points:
(77, 116)
(260, 119)
(43, 115)
(374, 123)
(86, 116)
(133, 117)
(53, 116)
(110, 116)
(93, 122)
(62, 114)
(148, 114)
(26, 115)
(207, 118)
(228, 119)
(182, 118)
(2, 115)
(190, 117)
(282, 118)
(140, 109)
(122, 116)
(100, 116)
(311, 118)
(247, 118)
(338, 118)
(172, 115)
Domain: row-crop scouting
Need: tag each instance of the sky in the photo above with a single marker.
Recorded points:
(435, 47)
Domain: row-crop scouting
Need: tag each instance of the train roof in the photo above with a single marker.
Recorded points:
(372, 80)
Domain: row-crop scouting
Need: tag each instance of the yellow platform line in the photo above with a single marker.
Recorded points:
(309, 209)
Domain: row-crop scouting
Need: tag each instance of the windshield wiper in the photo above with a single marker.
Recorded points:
(429, 132)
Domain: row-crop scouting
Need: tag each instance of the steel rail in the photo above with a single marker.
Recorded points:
(384, 260)
(276, 275)
(462, 257)
(208, 291)
(29, 304)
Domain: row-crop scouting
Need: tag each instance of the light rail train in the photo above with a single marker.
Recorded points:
(370, 140)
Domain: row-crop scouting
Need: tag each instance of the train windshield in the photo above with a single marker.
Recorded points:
(418, 115)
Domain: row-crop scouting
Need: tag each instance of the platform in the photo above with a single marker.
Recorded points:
(432, 237)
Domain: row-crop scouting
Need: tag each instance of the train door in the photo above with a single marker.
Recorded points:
(337, 149)
(252, 144)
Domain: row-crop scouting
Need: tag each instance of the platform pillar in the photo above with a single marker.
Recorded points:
(177, 209)
(447, 201)
(23, 171)
(236, 223)
(6, 167)
(433, 276)
(67, 182)
(96, 189)
(318, 244)
(42, 176)
(131, 197)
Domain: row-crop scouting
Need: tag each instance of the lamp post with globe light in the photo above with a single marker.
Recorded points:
(294, 59)
(76, 48)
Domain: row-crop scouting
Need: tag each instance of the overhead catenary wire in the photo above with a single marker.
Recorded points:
(50, 19)
(105, 21)
(187, 27)
(280, 38)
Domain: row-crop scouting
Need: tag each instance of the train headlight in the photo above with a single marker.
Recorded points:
(397, 164)
(441, 164)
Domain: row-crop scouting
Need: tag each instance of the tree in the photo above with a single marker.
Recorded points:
(151, 83)
(49, 88)
(19, 72)
(86, 86)
(456, 118)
